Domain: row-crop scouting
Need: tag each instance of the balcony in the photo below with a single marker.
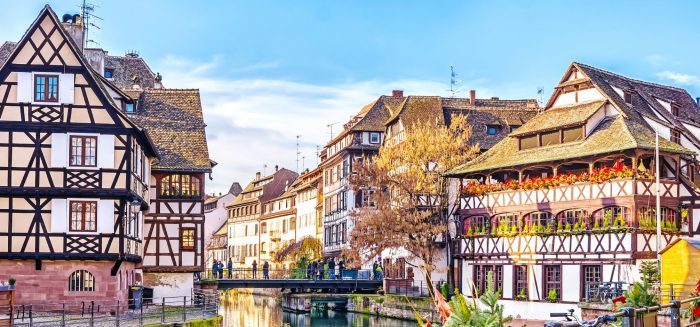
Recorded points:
(275, 235)
(614, 188)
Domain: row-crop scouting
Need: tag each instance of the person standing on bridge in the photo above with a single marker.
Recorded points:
(341, 267)
(331, 268)
(214, 266)
(221, 270)
(310, 270)
(266, 270)
(255, 269)
(229, 265)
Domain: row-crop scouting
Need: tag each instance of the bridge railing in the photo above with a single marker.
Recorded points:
(249, 273)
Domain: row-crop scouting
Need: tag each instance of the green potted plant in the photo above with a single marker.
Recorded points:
(552, 296)
(521, 295)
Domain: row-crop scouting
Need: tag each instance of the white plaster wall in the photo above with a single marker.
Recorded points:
(595, 119)
(536, 310)
(571, 281)
(535, 282)
(589, 95)
(507, 291)
(664, 131)
(169, 284)
(565, 99)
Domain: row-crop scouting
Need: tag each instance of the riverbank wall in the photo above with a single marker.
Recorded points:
(206, 322)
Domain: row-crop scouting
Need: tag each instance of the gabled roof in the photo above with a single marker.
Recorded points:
(129, 67)
(9, 50)
(278, 181)
(626, 131)
(174, 120)
(480, 114)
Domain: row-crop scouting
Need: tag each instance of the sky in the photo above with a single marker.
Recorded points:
(271, 70)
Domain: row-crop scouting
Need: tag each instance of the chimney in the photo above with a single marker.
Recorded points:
(257, 176)
(277, 167)
(397, 93)
(73, 24)
(697, 100)
(472, 97)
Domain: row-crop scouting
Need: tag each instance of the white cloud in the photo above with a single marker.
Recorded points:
(254, 122)
(680, 78)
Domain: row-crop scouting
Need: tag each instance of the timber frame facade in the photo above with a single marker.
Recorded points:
(567, 201)
(69, 189)
(94, 174)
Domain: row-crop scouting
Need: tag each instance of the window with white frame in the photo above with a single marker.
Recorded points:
(374, 137)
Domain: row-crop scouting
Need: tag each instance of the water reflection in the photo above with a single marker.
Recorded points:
(242, 310)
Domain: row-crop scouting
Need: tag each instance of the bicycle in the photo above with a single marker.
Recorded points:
(572, 320)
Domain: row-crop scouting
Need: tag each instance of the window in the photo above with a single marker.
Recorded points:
(81, 281)
(109, 73)
(343, 232)
(513, 128)
(572, 216)
(610, 216)
(481, 274)
(592, 276)
(676, 136)
(46, 88)
(552, 280)
(129, 107)
(520, 281)
(263, 228)
(476, 225)
(179, 185)
(675, 109)
(528, 142)
(573, 134)
(83, 216)
(187, 239)
(491, 129)
(550, 138)
(628, 97)
(374, 137)
(83, 151)
(540, 218)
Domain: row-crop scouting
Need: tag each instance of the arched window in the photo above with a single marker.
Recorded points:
(81, 281)
(613, 216)
(539, 218)
(506, 223)
(647, 218)
(477, 225)
(572, 217)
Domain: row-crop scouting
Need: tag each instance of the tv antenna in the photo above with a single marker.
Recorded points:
(87, 13)
(331, 127)
(318, 155)
(298, 153)
(264, 168)
(454, 82)
(302, 162)
(540, 92)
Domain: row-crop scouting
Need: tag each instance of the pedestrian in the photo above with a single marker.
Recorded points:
(221, 270)
(378, 271)
(331, 268)
(230, 267)
(310, 270)
(374, 270)
(214, 267)
(255, 269)
(320, 269)
(341, 267)
(266, 270)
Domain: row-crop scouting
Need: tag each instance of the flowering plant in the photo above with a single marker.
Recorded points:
(597, 175)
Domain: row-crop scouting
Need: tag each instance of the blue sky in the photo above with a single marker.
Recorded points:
(271, 70)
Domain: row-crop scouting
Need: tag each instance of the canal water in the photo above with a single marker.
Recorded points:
(243, 310)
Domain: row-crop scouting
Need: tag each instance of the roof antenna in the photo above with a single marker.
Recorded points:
(298, 152)
(540, 92)
(331, 127)
(264, 168)
(318, 153)
(86, 11)
(454, 82)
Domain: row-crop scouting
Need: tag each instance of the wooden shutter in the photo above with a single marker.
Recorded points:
(59, 216)
(66, 88)
(25, 87)
(59, 150)
(105, 151)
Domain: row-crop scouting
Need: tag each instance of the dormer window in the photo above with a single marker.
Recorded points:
(513, 128)
(129, 107)
(628, 97)
(492, 129)
(374, 138)
(109, 73)
(676, 136)
(675, 109)
(46, 88)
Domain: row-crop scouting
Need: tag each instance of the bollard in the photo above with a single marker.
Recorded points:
(184, 308)
(117, 322)
(63, 316)
(141, 314)
(92, 313)
(30, 316)
(675, 313)
(162, 311)
(628, 317)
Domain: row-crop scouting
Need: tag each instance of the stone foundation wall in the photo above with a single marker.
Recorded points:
(169, 284)
(50, 284)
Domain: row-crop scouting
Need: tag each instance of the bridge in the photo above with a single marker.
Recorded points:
(296, 280)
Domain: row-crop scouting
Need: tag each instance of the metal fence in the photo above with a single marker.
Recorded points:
(605, 292)
(409, 287)
(200, 304)
(250, 274)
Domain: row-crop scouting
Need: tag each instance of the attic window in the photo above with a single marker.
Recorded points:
(129, 107)
(676, 136)
(628, 97)
(674, 109)
(492, 129)
(513, 127)
(109, 73)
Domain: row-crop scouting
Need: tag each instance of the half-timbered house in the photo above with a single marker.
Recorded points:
(566, 203)
(73, 171)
